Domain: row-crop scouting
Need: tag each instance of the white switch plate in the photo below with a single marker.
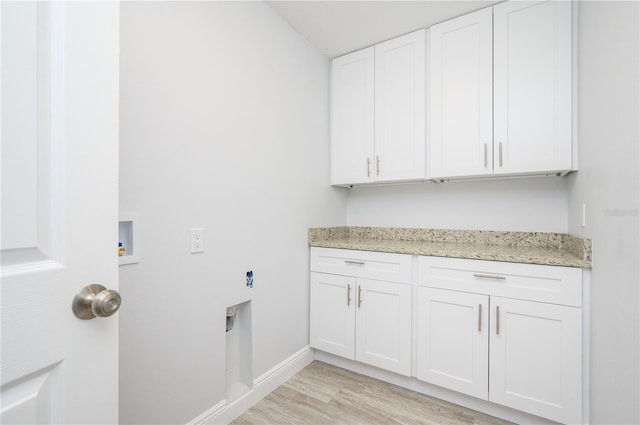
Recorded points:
(584, 215)
(197, 240)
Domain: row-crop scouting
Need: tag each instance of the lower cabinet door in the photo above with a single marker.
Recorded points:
(536, 357)
(332, 314)
(383, 325)
(453, 344)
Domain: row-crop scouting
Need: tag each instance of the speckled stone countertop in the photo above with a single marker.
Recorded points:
(556, 249)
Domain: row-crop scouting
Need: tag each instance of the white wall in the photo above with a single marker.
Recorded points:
(530, 205)
(224, 112)
(224, 126)
(608, 183)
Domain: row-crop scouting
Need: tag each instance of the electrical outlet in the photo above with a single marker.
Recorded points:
(197, 240)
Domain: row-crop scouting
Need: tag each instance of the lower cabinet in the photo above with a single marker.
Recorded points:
(360, 318)
(453, 343)
(535, 358)
(522, 353)
(503, 332)
(383, 325)
(333, 319)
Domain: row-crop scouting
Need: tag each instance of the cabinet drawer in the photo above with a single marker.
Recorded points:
(550, 284)
(366, 264)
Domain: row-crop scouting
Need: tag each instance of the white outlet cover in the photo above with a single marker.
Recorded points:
(197, 240)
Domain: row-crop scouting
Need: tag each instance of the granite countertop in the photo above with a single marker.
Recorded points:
(556, 249)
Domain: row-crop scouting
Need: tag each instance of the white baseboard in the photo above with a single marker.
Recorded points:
(223, 413)
(209, 416)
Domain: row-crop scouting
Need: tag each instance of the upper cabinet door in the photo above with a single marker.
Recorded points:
(400, 108)
(461, 104)
(352, 114)
(532, 86)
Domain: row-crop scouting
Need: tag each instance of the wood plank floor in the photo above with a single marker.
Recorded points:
(324, 394)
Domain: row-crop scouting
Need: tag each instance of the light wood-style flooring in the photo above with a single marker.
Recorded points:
(323, 394)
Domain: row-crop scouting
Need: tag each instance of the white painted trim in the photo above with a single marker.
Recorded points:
(586, 346)
(209, 415)
(223, 413)
(29, 268)
(305, 355)
(575, 102)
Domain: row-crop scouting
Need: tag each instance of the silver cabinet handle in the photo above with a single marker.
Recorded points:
(485, 155)
(497, 320)
(348, 294)
(368, 167)
(500, 154)
(359, 295)
(377, 165)
(479, 317)
(359, 263)
(488, 276)
(95, 301)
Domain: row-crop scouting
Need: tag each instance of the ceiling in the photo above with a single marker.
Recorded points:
(339, 27)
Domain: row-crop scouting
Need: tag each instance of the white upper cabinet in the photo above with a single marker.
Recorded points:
(532, 86)
(400, 108)
(378, 113)
(461, 84)
(501, 91)
(352, 114)
(500, 99)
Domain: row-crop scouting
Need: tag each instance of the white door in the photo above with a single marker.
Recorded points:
(332, 315)
(383, 325)
(532, 86)
(534, 361)
(59, 210)
(352, 85)
(461, 96)
(453, 341)
(400, 108)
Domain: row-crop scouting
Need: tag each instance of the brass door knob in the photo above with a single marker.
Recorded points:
(96, 301)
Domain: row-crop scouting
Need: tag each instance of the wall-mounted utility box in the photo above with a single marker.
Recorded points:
(128, 237)
(238, 351)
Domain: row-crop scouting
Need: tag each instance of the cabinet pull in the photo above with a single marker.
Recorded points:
(377, 165)
(368, 167)
(497, 320)
(488, 276)
(348, 294)
(479, 317)
(500, 154)
(485, 155)
(359, 295)
(359, 263)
